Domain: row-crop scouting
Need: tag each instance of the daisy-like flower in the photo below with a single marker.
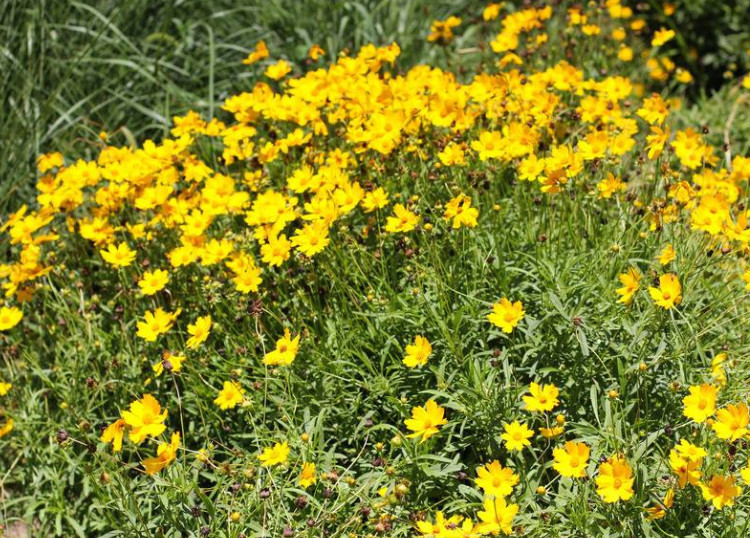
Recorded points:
(543, 398)
(572, 460)
(275, 455)
(506, 315)
(425, 421)
(516, 436)
(418, 352)
(496, 480)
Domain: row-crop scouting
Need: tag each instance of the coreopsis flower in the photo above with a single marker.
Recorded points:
(615, 480)
(169, 362)
(516, 436)
(276, 251)
(661, 36)
(120, 255)
(307, 475)
(609, 186)
(5, 387)
(700, 403)
(717, 369)
(10, 316)
(275, 455)
(6, 428)
(311, 238)
(669, 292)
(687, 470)
(455, 526)
(745, 474)
(278, 70)
(230, 395)
(48, 161)
(285, 351)
(315, 52)
(374, 200)
(656, 141)
(731, 422)
(156, 323)
(145, 419)
(551, 433)
(259, 53)
(198, 331)
(689, 451)
(491, 11)
(667, 255)
(496, 517)
(496, 480)
(506, 315)
(165, 454)
(543, 398)
(114, 434)
(720, 490)
(442, 31)
(418, 352)
(630, 284)
(452, 155)
(572, 460)
(658, 512)
(459, 209)
(402, 220)
(153, 281)
(425, 421)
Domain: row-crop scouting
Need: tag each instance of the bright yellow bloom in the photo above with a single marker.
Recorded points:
(374, 200)
(153, 281)
(496, 480)
(615, 480)
(506, 315)
(274, 455)
(492, 11)
(402, 221)
(667, 255)
(700, 403)
(459, 209)
(689, 451)
(315, 52)
(156, 323)
(442, 31)
(418, 352)
(145, 419)
(278, 70)
(731, 422)
(669, 292)
(662, 36)
(720, 490)
(285, 351)
(516, 435)
(307, 475)
(687, 471)
(198, 331)
(260, 52)
(572, 460)
(5, 387)
(543, 398)
(230, 395)
(119, 256)
(169, 362)
(276, 251)
(9, 317)
(6, 428)
(311, 238)
(165, 454)
(425, 420)
(631, 284)
(496, 517)
(114, 434)
(609, 186)
(658, 512)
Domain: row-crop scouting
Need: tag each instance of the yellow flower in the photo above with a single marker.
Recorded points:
(667, 255)
(425, 420)
(689, 451)
(459, 209)
(720, 490)
(402, 221)
(700, 403)
(516, 435)
(278, 70)
(315, 52)
(145, 419)
(113, 434)
(506, 315)
(169, 362)
(285, 351)
(230, 395)
(442, 31)
(658, 512)
(543, 398)
(153, 281)
(119, 256)
(260, 52)
(6, 428)
(572, 460)
(662, 36)
(5, 387)
(631, 284)
(9, 317)
(496, 480)
(156, 323)
(165, 454)
(609, 186)
(492, 11)
(669, 292)
(687, 471)
(198, 331)
(418, 352)
(375, 199)
(311, 238)
(274, 455)
(731, 422)
(307, 475)
(496, 517)
(615, 480)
